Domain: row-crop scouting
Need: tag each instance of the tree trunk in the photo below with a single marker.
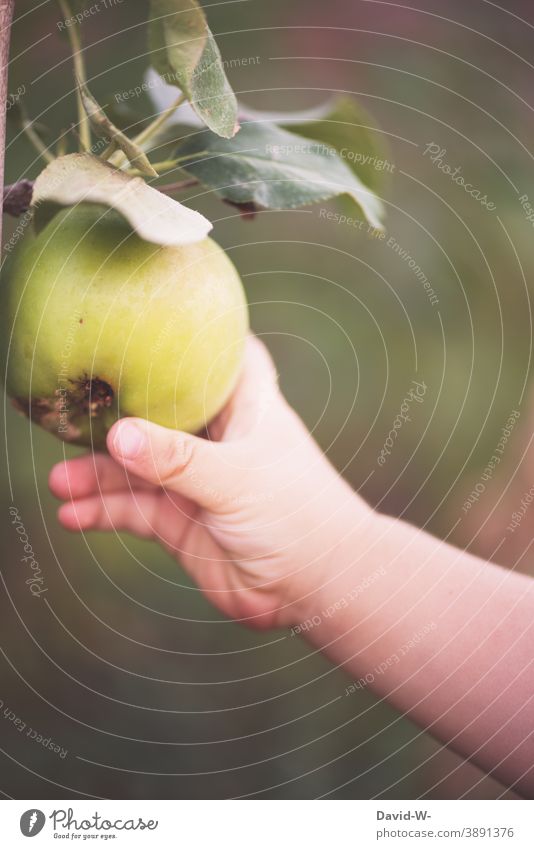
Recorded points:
(6, 17)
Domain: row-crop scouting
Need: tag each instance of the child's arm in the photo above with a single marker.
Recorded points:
(275, 538)
(444, 636)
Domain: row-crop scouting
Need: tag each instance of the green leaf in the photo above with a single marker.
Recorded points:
(340, 121)
(82, 178)
(105, 129)
(177, 37)
(274, 169)
(351, 130)
(184, 52)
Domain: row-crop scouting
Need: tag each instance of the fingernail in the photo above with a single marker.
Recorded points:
(128, 441)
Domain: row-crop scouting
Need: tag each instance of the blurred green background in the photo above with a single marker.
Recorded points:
(129, 668)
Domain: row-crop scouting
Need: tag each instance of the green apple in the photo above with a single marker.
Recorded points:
(98, 324)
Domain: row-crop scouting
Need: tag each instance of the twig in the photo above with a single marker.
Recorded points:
(79, 70)
(150, 131)
(38, 144)
(169, 164)
(171, 188)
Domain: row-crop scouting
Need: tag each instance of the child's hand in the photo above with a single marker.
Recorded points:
(274, 537)
(256, 517)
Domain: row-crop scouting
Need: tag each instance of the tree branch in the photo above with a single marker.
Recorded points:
(6, 18)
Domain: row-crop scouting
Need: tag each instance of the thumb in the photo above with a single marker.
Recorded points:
(196, 468)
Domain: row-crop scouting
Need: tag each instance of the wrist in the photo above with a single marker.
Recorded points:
(331, 583)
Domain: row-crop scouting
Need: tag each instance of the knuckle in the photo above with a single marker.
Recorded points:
(181, 453)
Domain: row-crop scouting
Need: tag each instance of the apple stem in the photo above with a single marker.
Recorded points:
(6, 18)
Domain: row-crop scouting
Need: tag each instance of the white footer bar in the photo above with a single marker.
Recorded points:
(268, 824)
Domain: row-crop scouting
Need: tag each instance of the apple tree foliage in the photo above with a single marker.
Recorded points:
(252, 160)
